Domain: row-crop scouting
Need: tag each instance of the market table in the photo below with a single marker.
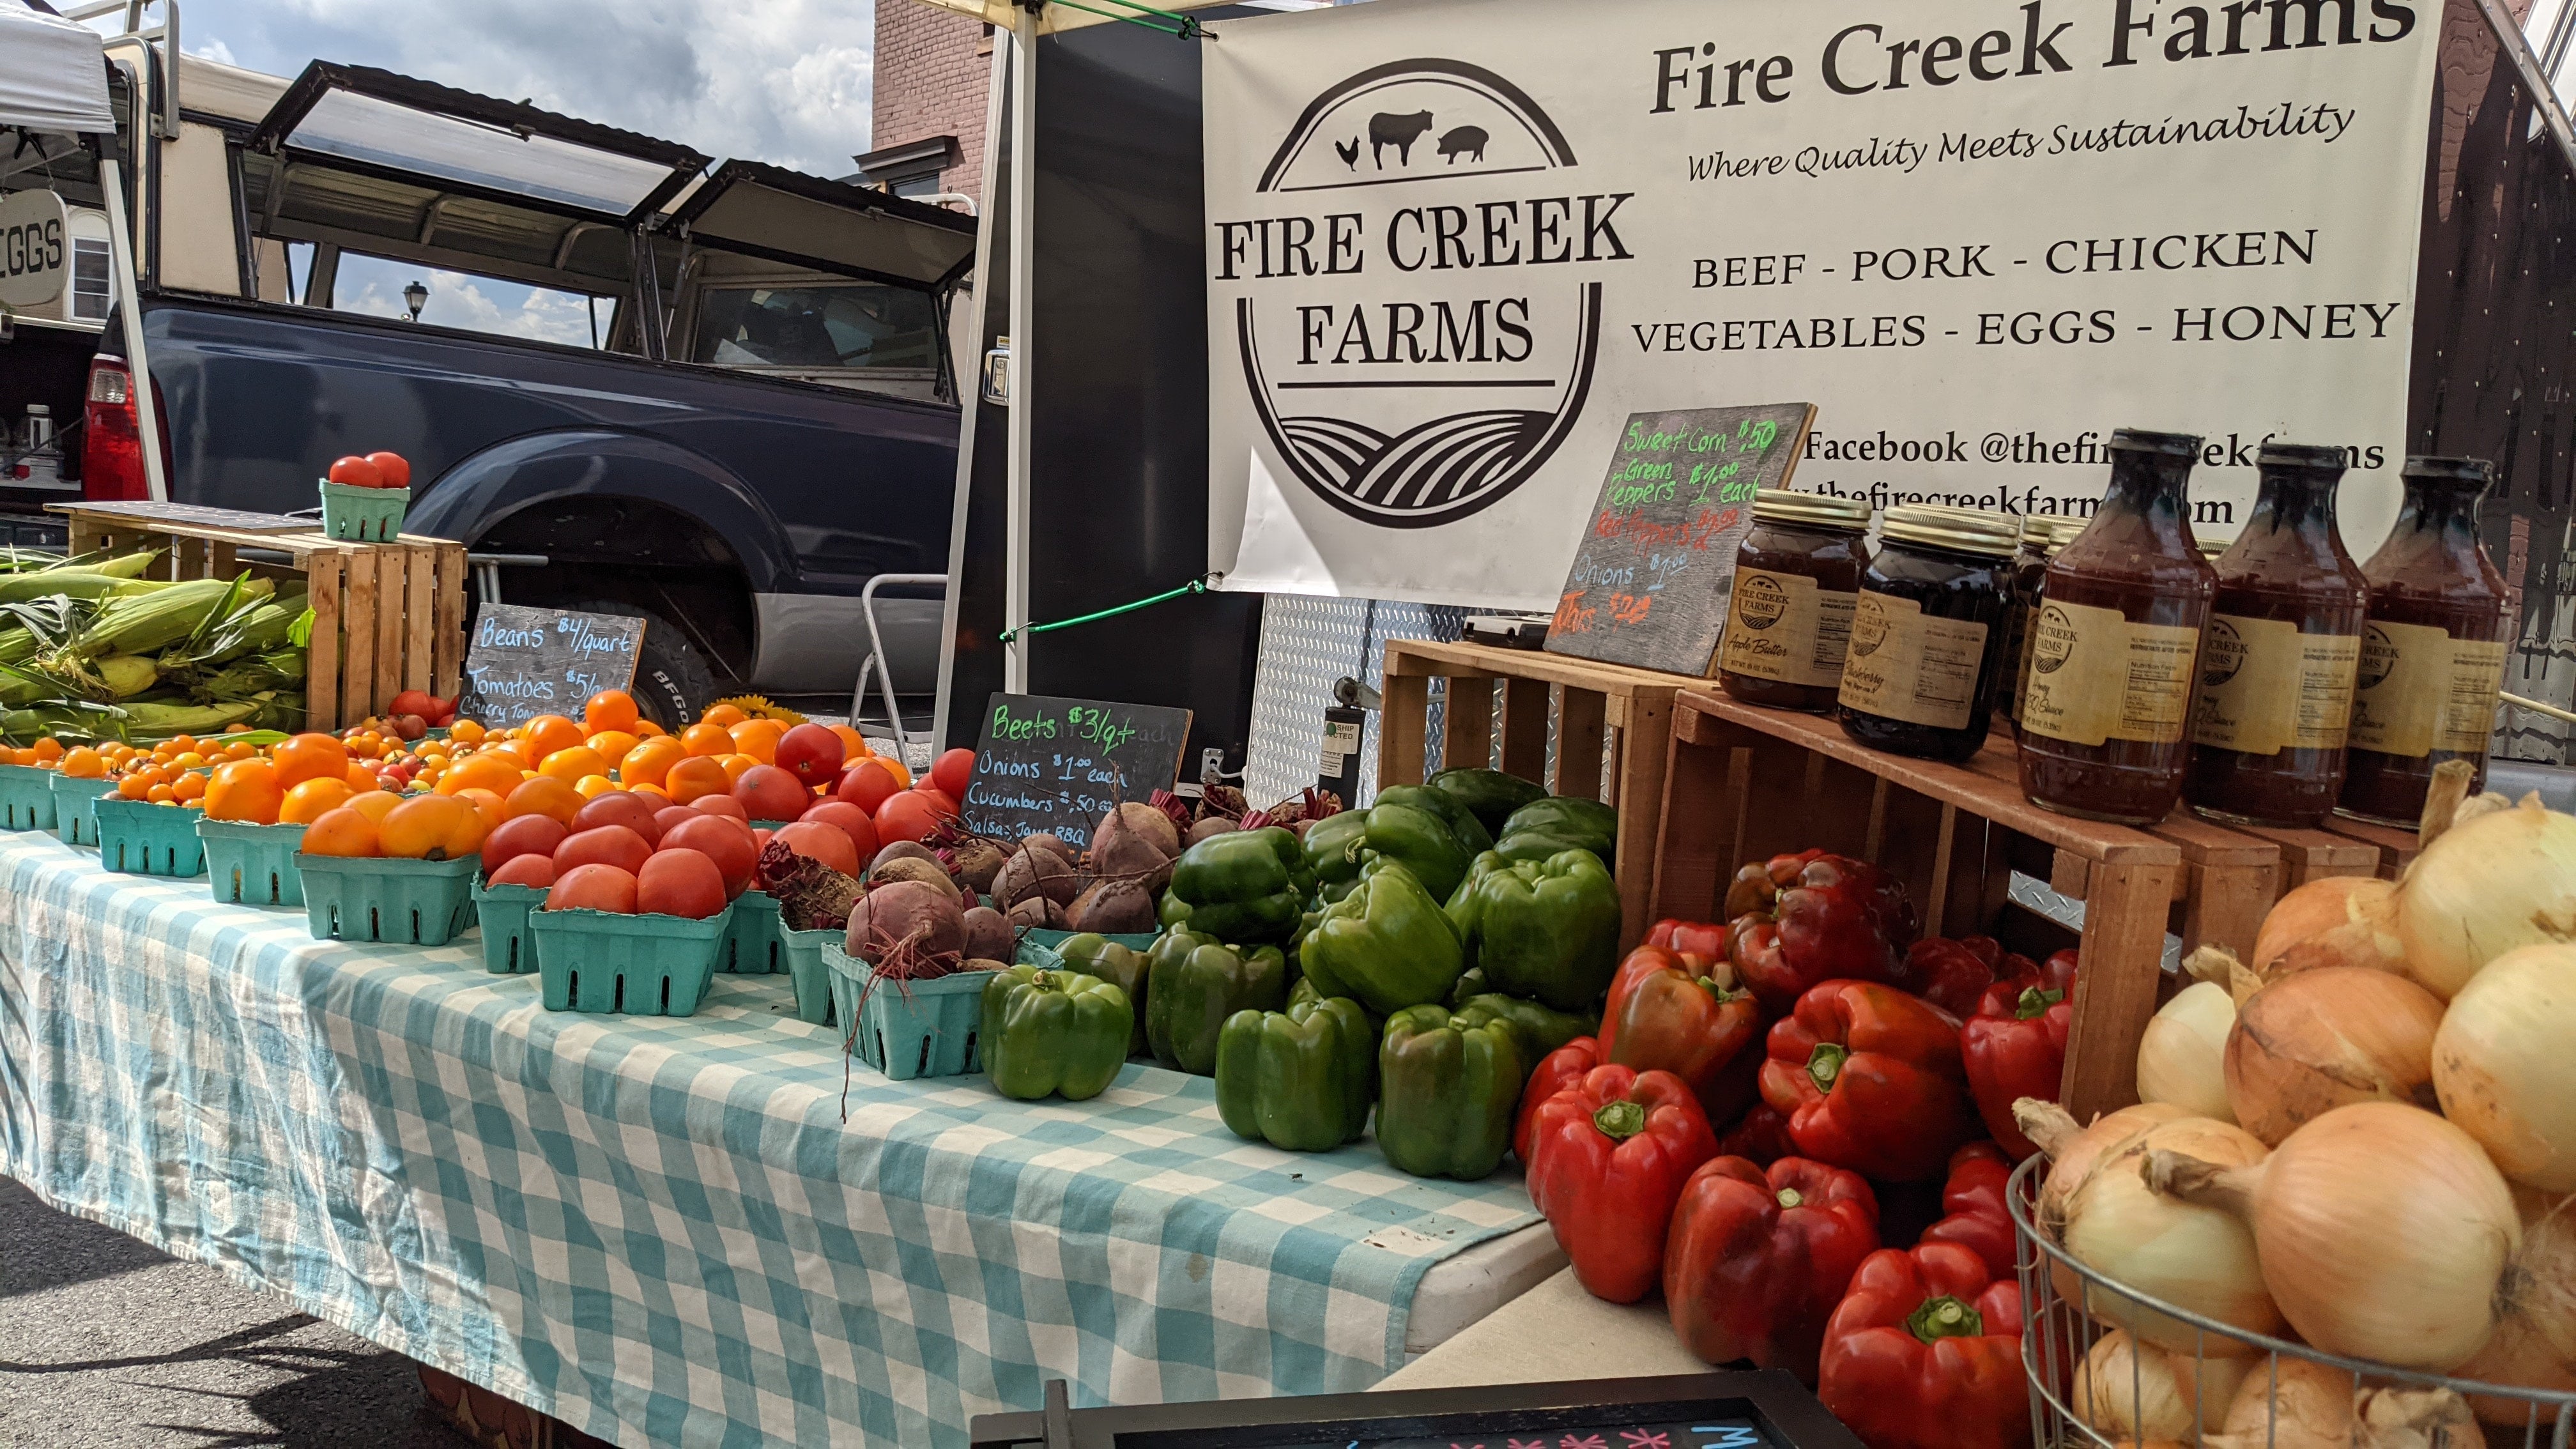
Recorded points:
(662, 1231)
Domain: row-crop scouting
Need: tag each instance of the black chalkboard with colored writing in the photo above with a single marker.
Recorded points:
(1650, 583)
(1058, 765)
(523, 662)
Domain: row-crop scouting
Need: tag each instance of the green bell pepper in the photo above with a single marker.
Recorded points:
(1471, 982)
(1306, 992)
(1333, 847)
(1120, 965)
(1462, 822)
(1053, 1032)
(1193, 982)
(1303, 1079)
(1560, 822)
(1446, 1090)
(1490, 795)
(1541, 1030)
(1416, 837)
(1386, 943)
(1545, 929)
(1244, 885)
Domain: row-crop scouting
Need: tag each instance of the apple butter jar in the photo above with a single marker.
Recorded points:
(2278, 659)
(1797, 577)
(1928, 632)
(2433, 651)
(2108, 697)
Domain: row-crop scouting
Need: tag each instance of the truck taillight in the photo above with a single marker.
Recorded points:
(112, 450)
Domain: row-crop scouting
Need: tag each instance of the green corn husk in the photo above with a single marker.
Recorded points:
(249, 676)
(137, 588)
(17, 646)
(283, 710)
(261, 626)
(80, 584)
(124, 565)
(126, 675)
(150, 625)
(147, 720)
(69, 722)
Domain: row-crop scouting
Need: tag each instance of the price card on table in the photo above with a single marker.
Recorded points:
(524, 662)
(1650, 583)
(1044, 764)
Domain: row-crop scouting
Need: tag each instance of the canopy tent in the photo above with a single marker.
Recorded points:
(53, 77)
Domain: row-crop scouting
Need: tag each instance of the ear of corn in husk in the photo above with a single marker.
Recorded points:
(73, 584)
(154, 623)
(151, 720)
(126, 675)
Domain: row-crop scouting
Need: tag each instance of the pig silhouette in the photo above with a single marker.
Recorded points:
(1397, 131)
(1468, 141)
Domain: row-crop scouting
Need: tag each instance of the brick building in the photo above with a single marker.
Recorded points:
(933, 73)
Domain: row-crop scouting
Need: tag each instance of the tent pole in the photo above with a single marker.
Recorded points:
(129, 304)
(1024, 129)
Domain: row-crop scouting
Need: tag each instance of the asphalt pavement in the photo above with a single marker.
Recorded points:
(108, 1344)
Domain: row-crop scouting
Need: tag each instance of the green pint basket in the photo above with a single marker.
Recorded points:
(76, 808)
(509, 937)
(253, 865)
(138, 837)
(751, 944)
(909, 1029)
(363, 515)
(393, 902)
(599, 961)
(800, 955)
(26, 798)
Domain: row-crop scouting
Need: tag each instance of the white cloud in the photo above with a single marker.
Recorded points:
(214, 50)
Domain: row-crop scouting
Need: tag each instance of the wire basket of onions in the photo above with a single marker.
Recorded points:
(2182, 1284)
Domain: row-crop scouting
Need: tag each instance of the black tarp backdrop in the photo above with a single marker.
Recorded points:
(1118, 497)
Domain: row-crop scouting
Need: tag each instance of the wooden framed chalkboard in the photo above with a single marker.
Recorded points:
(1058, 765)
(522, 662)
(1650, 583)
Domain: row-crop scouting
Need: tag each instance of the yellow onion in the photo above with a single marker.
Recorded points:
(2317, 1040)
(2384, 1231)
(2348, 920)
(2296, 1403)
(2129, 1390)
(2182, 1058)
(2534, 1346)
(2504, 1063)
(2484, 887)
(2097, 1206)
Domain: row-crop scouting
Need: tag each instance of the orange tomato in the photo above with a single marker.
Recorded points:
(723, 716)
(133, 787)
(485, 802)
(758, 738)
(423, 828)
(188, 760)
(161, 795)
(655, 792)
(188, 787)
(591, 787)
(84, 763)
(491, 770)
(375, 804)
(650, 760)
(648, 729)
(896, 768)
(46, 750)
(736, 766)
(356, 777)
(309, 801)
(343, 832)
(614, 745)
(854, 746)
(555, 799)
(548, 733)
(309, 757)
(240, 750)
(571, 764)
(610, 709)
(465, 732)
(694, 777)
(245, 790)
(706, 739)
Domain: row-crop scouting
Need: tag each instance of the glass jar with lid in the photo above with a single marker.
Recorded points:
(2433, 651)
(2106, 704)
(2282, 648)
(2042, 535)
(1797, 577)
(1928, 632)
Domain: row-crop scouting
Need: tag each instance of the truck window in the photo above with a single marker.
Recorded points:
(853, 325)
(90, 296)
(468, 301)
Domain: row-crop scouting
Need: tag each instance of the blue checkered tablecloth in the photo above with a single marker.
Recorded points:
(662, 1231)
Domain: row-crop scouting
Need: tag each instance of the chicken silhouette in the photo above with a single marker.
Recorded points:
(1349, 151)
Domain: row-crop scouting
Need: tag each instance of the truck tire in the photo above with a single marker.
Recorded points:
(673, 684)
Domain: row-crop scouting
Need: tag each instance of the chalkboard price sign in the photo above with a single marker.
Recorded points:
(1649, 584)
(525, 662)
(1058, 765)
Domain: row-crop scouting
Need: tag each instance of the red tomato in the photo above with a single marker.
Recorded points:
(867, 785)
(770, 793)
(952, 771)
(720, 805)
(725, 842)
(522, 835)
(826, 843)
(593, 888)
(525, 870)
(356, 472)
(812, 754)
(619, 807)
(908, 815)
(670, 815)
(606, 845)
(941, 800)
(760, 838)
(394, 466)
(854, 823)
(411, 701)
(680, 882)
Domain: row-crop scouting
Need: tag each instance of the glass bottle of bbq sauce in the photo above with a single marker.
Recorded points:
(2433, 651)
(1928, 632)
(2042, 535)
(1797, 577)
(2107, 702)
(2281, 652)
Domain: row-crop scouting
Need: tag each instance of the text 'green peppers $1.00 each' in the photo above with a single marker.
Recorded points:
(1447, 1087)
(1194, 982)
(1243, 885)
(1387, 943)
(1301, 1079)
(1547, 930)
(1053, 1032)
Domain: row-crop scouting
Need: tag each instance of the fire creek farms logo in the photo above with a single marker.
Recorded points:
(1412, 308)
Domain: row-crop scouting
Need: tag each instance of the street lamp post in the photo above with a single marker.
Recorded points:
(415, 297)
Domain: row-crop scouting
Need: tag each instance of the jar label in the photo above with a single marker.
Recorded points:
(2266, 687)
(2096, 677)
(1782, 627)
(2422, 690)
(1908, 665)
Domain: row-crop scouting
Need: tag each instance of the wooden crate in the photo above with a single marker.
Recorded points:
(386, 616)
(2391, 850)
(1602, 712)
(1744, 784)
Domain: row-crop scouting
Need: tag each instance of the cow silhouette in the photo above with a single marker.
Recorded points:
(1468, 141)
(1349, 151)
(1397, 131)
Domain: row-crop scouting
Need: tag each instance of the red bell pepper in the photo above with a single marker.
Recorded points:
(1835, 919)
(1761, 1137)
(1689, 938)
(1869, 1078)
(2015, 1045)
(1760, 882)
(1952, 975)
(1567, 1063)
(1609, 1154)
(1758, 1259)
(1925, 1353)
(1679, 1014)
(1973, 1200)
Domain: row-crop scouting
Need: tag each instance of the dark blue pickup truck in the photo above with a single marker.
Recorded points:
(767, 419)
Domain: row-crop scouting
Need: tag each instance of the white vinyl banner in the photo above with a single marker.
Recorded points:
(1453, 244)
